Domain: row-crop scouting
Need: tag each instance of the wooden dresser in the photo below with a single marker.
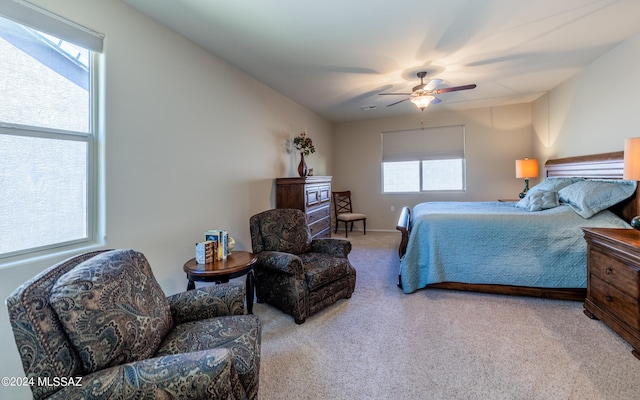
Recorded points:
(311, 194)
(613, 281)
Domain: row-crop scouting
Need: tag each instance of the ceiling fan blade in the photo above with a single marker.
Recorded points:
(454, 89)
(432, 84)
(394, 94)
(436, 100)
(397, 102)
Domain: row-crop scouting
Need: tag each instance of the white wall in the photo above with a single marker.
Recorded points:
(191, 144)
(595, 110)
(495, 138)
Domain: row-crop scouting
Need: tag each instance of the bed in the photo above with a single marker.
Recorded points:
(516, 248)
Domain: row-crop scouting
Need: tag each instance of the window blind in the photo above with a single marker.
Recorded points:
(437, 143)
(35, 17)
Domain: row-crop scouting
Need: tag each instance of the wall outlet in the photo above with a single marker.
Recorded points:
(393, 208)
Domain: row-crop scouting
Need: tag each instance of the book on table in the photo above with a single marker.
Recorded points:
(221, 237)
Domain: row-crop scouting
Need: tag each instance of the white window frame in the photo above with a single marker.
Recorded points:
(40, 19)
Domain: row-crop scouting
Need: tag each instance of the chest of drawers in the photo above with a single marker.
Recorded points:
(311, 194)
(613, 281)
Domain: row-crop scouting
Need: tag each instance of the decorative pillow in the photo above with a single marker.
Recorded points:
(588, 197)
(541, 200)
(112, 309)
(553, 184)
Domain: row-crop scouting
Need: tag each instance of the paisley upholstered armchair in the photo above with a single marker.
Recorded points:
(298, 275)
(101, 321)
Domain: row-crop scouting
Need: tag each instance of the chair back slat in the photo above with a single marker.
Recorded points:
(342, 202)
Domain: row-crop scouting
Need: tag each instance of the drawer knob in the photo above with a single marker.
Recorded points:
(608, 271)
(609, 298)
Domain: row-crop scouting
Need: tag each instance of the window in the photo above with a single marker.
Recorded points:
(423, 160)
(443, 174)
(47, 134)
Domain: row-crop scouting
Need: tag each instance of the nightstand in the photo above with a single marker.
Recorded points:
(613, 281)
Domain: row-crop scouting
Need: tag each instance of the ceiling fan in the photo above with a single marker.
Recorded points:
(423, 94)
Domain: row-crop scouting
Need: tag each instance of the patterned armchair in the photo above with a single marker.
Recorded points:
(298, 275)
(102, 319)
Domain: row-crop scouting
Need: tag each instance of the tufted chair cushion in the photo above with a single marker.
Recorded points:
(238, 333)
(112, 309)
(321, 269)
(283, 230)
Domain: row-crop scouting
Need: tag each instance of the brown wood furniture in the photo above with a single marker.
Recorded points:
(311, 194)
(236, 264)
(613, 281)
(344, 212)
(600, 166)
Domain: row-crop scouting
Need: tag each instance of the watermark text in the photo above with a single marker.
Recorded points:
(49, 381)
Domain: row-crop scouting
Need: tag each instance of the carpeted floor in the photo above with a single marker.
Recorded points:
(436, 344)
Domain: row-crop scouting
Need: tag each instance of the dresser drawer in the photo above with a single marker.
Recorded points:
(624, 307)
(319, 226)
(317, 195)
(617, 273)
(318, 214)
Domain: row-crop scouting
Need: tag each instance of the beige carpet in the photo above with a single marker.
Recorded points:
(435, 344)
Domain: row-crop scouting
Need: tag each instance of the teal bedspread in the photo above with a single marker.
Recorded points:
(497, 243)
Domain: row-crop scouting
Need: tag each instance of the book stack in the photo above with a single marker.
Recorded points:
(206, 252)
(221, 237)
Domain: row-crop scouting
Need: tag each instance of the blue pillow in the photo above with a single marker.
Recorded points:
(541, 200)
(548, 185)
(589, 197)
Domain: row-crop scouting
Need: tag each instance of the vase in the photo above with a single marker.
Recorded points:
(302, 167)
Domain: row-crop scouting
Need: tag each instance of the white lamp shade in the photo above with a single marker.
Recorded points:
(527, 168)
(422, 101)
(632, 159)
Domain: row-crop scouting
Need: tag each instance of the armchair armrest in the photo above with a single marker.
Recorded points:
(285, 263)
(207, 302)
(334, 246)
(198, 375)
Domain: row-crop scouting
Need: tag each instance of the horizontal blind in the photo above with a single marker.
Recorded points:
(35, 17)
(445, 142)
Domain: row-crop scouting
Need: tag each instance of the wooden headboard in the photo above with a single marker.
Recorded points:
(597, 166)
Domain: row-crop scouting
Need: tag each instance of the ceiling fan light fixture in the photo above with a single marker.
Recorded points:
(423, 101)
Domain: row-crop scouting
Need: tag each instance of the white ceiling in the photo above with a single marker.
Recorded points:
(335, 56)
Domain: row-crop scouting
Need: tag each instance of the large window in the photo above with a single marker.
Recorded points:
(423, 160)
(47, 131)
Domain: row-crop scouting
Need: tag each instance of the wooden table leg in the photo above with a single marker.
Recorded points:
(191, 285)
(249, 292)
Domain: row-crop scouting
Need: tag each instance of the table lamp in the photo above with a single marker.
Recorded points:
(632, 167)
(527, 168)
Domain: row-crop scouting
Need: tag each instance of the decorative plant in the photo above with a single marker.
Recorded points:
(304, 144)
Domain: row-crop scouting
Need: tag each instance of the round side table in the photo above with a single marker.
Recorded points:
(236, 264)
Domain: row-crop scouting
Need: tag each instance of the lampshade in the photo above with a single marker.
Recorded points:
(527, 168)
(632, 159)
(422, 101)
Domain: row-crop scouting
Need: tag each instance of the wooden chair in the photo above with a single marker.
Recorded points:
(344, 212)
